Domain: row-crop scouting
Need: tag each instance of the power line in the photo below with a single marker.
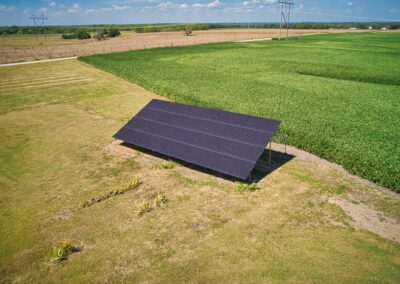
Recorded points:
(285, 6)
(39, 21)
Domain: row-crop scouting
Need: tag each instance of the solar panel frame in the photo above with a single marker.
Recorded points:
(227, 142)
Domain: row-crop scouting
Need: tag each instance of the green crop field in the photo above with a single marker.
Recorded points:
(338, 95)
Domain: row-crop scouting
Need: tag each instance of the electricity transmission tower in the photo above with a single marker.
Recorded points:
(286, 6)
(39, 21)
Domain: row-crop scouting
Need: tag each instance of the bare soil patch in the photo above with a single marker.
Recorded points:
(369, 219)
(133, 41)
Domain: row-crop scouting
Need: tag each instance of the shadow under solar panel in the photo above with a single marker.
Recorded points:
(227, 142)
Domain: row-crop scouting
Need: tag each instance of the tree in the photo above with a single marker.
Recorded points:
(100, 33)
(83, 34)
(188, 30)
(113, 33)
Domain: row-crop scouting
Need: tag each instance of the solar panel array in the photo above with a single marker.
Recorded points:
(226, 142)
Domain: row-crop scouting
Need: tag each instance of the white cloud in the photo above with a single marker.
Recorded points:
(121, 8)
(75, 8)
(315, 9)
(88, 11)
(165, 5)
(183, 6)
(350, 3)
(27, 11)
(213, 4)
(259, 2)
(114, 7)
(105, 9)
(42, 10)
(52, 4)
(4, 8)
(393, 10)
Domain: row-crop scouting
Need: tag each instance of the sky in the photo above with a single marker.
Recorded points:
(76, 12)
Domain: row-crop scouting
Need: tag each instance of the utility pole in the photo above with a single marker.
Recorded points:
(39, 21)
(285, 6)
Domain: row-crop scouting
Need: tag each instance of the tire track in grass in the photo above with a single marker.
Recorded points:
(42, 81)
(17, 80)
(44, 86)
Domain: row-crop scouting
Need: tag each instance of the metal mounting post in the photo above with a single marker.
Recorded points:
(270, 154)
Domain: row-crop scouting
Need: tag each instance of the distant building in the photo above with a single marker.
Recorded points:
(370, 28)
(383, 29)
(353, 28)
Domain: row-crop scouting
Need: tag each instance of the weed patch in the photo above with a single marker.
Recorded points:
(242, 187)
(143, 208)
(166, 165)
(62, 249)
(160, 200)
(133, 184)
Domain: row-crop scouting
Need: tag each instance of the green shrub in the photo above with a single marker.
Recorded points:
(82, 34)
(69, 36)
(113, 33)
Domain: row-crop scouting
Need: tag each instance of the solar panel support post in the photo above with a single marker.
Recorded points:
(270, 150)
(285, 6)
(286, 138)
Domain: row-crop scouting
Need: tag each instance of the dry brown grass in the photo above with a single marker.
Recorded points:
(132, 41)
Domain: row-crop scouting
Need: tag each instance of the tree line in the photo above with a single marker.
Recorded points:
(141, 28)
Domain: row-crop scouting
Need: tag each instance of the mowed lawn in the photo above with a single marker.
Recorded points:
(57, 152)
(337, 95)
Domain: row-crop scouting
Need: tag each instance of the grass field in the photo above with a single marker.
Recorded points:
(33, 40)
(57, 155)
(336, 95)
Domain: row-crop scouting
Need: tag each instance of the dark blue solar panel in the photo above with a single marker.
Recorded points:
(227, 142)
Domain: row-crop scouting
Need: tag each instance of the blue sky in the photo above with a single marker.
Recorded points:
(65, 12)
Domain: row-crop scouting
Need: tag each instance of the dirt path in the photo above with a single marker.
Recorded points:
(38, 61)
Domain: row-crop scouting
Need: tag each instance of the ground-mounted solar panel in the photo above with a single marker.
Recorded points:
(227, 142)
